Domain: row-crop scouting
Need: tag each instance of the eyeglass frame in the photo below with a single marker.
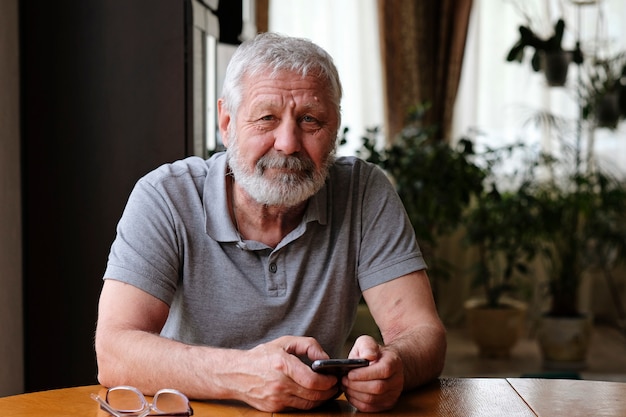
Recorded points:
(147, 407)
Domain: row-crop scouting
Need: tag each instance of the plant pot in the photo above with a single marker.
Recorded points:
(555, 66)
(564, 341)
(608, 110)
(495, 330)
(622, 98)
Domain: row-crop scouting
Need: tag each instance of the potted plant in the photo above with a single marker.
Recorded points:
(548, 55)
(603, 90)
(435, 181)
(578, 213)
(499, 226)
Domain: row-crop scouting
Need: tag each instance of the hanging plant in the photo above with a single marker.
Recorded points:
(603, 90)
(549, 55)
(622, 92)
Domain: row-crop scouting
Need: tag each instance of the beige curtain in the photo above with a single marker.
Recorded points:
(422, 44)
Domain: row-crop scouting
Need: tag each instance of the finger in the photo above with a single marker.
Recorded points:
(302, 346)
(387, 368)
(365, 347)
(284, 402)
(309, 397)
(301, 373)
(369, 404)
(304, 376)
(296, 388)
(304, 403)
(372, 395)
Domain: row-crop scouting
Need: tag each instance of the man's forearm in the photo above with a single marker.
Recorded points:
(422, 353)
(269, 377)
(146, 360)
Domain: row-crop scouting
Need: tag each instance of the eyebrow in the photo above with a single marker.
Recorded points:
(310, 105)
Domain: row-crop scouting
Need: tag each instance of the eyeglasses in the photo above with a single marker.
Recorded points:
(126, 401)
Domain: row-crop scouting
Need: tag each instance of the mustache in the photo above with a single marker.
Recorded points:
(288, 162)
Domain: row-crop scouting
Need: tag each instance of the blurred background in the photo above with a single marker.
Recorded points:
(97, 93)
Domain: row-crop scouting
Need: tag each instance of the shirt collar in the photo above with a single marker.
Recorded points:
(218, 223)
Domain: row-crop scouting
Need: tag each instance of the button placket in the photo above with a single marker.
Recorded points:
(276, 278)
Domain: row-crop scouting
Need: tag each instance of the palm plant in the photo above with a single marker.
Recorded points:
(581, 220)
(578, 214)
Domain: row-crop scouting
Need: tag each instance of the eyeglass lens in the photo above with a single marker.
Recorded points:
(170, 402)
(126, 400)
(130, 401)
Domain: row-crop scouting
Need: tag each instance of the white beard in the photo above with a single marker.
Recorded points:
(286, 189)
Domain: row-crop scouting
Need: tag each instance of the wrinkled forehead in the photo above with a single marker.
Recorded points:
(311, 83)
(282, 73)
(276, 71)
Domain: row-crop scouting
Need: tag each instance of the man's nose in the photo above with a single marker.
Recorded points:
(288, 137)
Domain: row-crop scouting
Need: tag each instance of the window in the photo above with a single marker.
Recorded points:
(498, 97)
(210, 59)
(348, 30)
(205, 34)
(495, 96)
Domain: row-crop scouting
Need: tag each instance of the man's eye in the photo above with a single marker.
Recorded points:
(309, 119)
(267, 117)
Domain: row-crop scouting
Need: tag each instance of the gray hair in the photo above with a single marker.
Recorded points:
(278, 53)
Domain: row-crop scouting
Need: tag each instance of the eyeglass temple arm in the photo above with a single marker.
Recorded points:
(105, 406)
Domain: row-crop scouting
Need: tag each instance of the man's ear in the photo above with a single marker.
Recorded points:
(223, 121)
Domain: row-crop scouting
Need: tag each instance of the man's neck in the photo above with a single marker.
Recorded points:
(260, 222)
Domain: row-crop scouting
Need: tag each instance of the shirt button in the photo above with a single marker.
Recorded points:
(273, 267)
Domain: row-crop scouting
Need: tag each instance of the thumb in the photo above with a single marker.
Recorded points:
(303, 347)
(365, 347)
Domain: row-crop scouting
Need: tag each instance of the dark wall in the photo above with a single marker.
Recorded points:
(105, 92)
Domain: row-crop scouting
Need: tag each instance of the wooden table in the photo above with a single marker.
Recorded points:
(463, 397)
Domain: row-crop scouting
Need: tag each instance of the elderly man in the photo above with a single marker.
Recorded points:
(228, 276)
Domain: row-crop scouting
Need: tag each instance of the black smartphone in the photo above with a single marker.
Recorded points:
(338, 366)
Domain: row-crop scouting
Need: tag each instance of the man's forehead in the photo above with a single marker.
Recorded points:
(307, 92)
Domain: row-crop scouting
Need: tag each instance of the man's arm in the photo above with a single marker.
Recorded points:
(414, 343)
(130, 351)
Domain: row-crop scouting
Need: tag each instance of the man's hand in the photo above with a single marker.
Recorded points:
(274, 378)
(378, 386)
(270, 377)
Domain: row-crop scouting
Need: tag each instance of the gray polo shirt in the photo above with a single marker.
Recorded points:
(176, 241)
